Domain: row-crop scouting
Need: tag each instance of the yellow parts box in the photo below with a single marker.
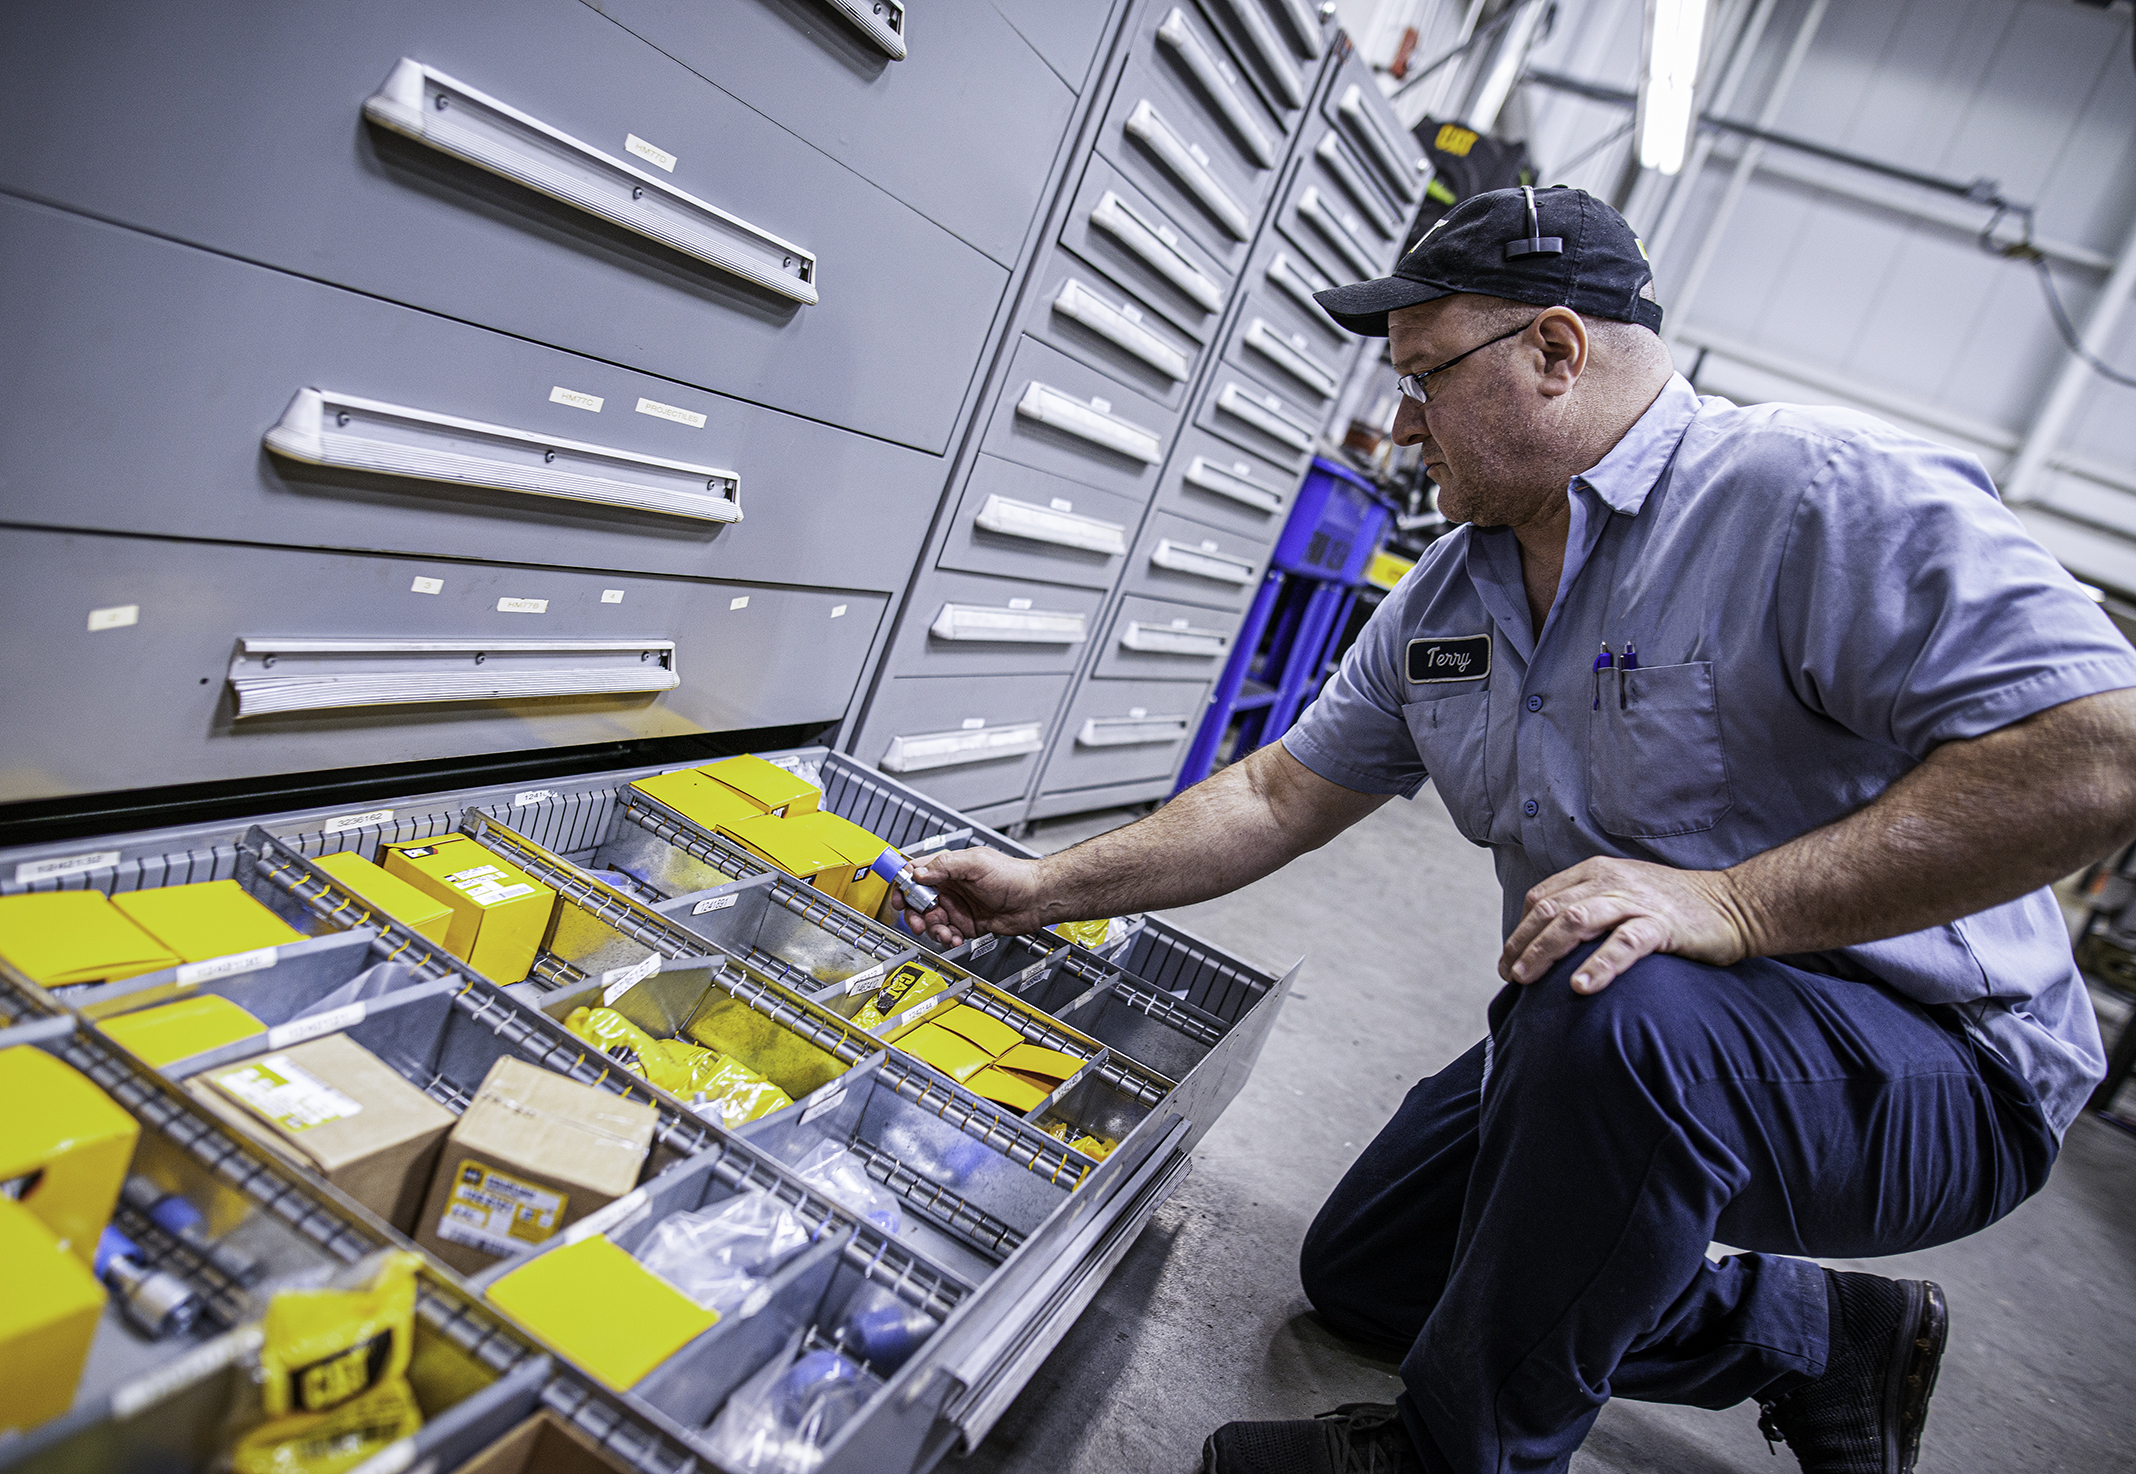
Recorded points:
(500, 914)
(697, 798)
(1040, 1063)
(533, 1153)
(953, 1055)
(603, 1309)
(769, 787)
(64, 1148)
(1014, 1091)
(793, 848)
(983, 1029)
(425, 915)
(212, 919)
(48, 1317)
(176, 1031)
(862, 888)
(62, 937)
(335, 1107)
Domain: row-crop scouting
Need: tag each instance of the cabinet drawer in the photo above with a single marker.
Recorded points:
(1025, 524)
(1321, 218)
(205, 356)
(1357, 186)
(1212, 481)
(1284, 280)
(968, 743)
(1178, 559)
(1365, 118)
(1177, 43)
(1055, 414)
(258, 144)
(1114, 226)
(126, 657)
(1163, 640)
(1282, 71)
(1123, 732)
(964, 624)
(962, 129)
(1264, 335)
(1066, 36)
(1089, 317)
(1170, 149)
(1245, 410)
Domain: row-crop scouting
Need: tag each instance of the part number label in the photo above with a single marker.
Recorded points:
(620, 980)
(341, 822)
(652, 153)
(522, 606)
(716, 903)
(116, 617)
(576, 398)
(30, 870)
(237, 964)
(427, 586)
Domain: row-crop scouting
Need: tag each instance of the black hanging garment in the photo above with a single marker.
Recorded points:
(1464, 162)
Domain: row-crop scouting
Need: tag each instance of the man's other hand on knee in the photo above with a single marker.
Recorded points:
(1637, 909)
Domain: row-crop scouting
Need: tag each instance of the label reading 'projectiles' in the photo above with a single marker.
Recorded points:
(498, 1213)
(287, 1094)
(486, 885)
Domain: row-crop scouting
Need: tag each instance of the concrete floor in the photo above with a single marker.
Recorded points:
(1204, 1320)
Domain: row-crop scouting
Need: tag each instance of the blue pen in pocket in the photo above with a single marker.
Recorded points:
(1629, 663)
(1602, 663)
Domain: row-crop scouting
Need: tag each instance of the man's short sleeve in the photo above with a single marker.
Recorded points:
(1354, 733)
(1914, 609)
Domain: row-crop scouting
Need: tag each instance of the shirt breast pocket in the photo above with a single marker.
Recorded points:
(1655, 764)
(1452, 733)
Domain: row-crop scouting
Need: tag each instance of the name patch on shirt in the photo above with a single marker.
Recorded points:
(1461, 658)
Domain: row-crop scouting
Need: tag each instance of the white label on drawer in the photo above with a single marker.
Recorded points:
(1271, 401)
(717, 903)
(972, 724)
(620, 980)
(741, 603)
(1061, 504)
(860, 982)
(1298, 340)
(611, 596)
(1167, 236)
(1131, 312)
(237, 964)
(1242, 468)
(1208, 546)
(824, 1106)
(1102, 406)
(64, 865)
(838, 611)
(357, 821)
(532, 796)
(661, 411)
(576, 398)
(522, 606)
(117, 617)
(1138, 711)
(1179, 624)
(427, 586)
(333, 1021)
(1019, 603)
(1201, 155)
(652, 153)
(919, 1010)
(1353, 224)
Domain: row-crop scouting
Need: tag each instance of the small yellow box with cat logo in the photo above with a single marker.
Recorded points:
(500, 914)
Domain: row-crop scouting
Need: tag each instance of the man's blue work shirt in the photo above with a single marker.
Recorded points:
(1817, 601)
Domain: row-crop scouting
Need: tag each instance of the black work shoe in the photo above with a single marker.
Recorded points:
(1356, 1438)
(1864, 1415)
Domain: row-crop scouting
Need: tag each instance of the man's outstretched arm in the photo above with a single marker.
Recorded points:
(1252, 818)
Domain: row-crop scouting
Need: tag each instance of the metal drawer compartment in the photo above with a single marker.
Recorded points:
(1177, 41)
(1281, 73)
(121, 646)
(970, 744)
(1171, 149)
(1246, 409)
(1362, 114)
(1264, 336)
(1283, 281)
(1124, 732)
(1086, 315)
(1211, 480)
(962, 128)
(1163, 640)
(1178, 559)
(1357, 187)
(1058, 415)
(968, 624)
(576, 188)
(1024, 524)
(213, 359)
(1113, 225)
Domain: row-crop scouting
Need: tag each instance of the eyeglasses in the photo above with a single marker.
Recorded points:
(1413, 384)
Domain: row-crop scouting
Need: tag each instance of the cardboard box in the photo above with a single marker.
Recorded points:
(544, 1444)
(768, 786)
(603, 1309)
(176, 1031)
(863, 889)
(424, 915)
(48, 1317)
(533, 1153)
(333, 1106)
(62, 937)
(65, 1147)
(697, 798)
(500, 914)
(213, 918)
(793, 848)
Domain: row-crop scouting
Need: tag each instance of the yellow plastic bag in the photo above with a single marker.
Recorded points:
(335, 1440)
(324, 1347)
(1084, 933)
(907, 984)
(740, 1093)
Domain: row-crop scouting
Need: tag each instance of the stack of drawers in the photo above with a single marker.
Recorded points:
(370, 363)
(1155, 409)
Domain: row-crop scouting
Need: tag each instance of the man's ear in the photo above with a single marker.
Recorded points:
(1564, 343)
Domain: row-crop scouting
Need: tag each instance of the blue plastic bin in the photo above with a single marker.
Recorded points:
(1334, 524)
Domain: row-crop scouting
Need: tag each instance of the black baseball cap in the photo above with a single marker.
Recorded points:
(1553, 247)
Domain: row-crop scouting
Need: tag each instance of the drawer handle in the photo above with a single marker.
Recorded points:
(1238, 484)
(1305, 26)
(1107, 321)
(1273, 53)
(1291, 358)
(1063, 411)
(995, 624)
(1013, 518)
(924, 750)
(322, 428)
(424, 104)
(1256, 411)
(1131, 731)
(1325, 220)
(1399, 160)
(1120, 219)
(276, 675)
(1201, 563)
(1336, 160)
(1299, 281)
(1174, 639)
(1176, 34)
(1147, 124)
(881, 21)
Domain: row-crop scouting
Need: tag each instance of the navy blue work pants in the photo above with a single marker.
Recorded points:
(1533, 1223)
